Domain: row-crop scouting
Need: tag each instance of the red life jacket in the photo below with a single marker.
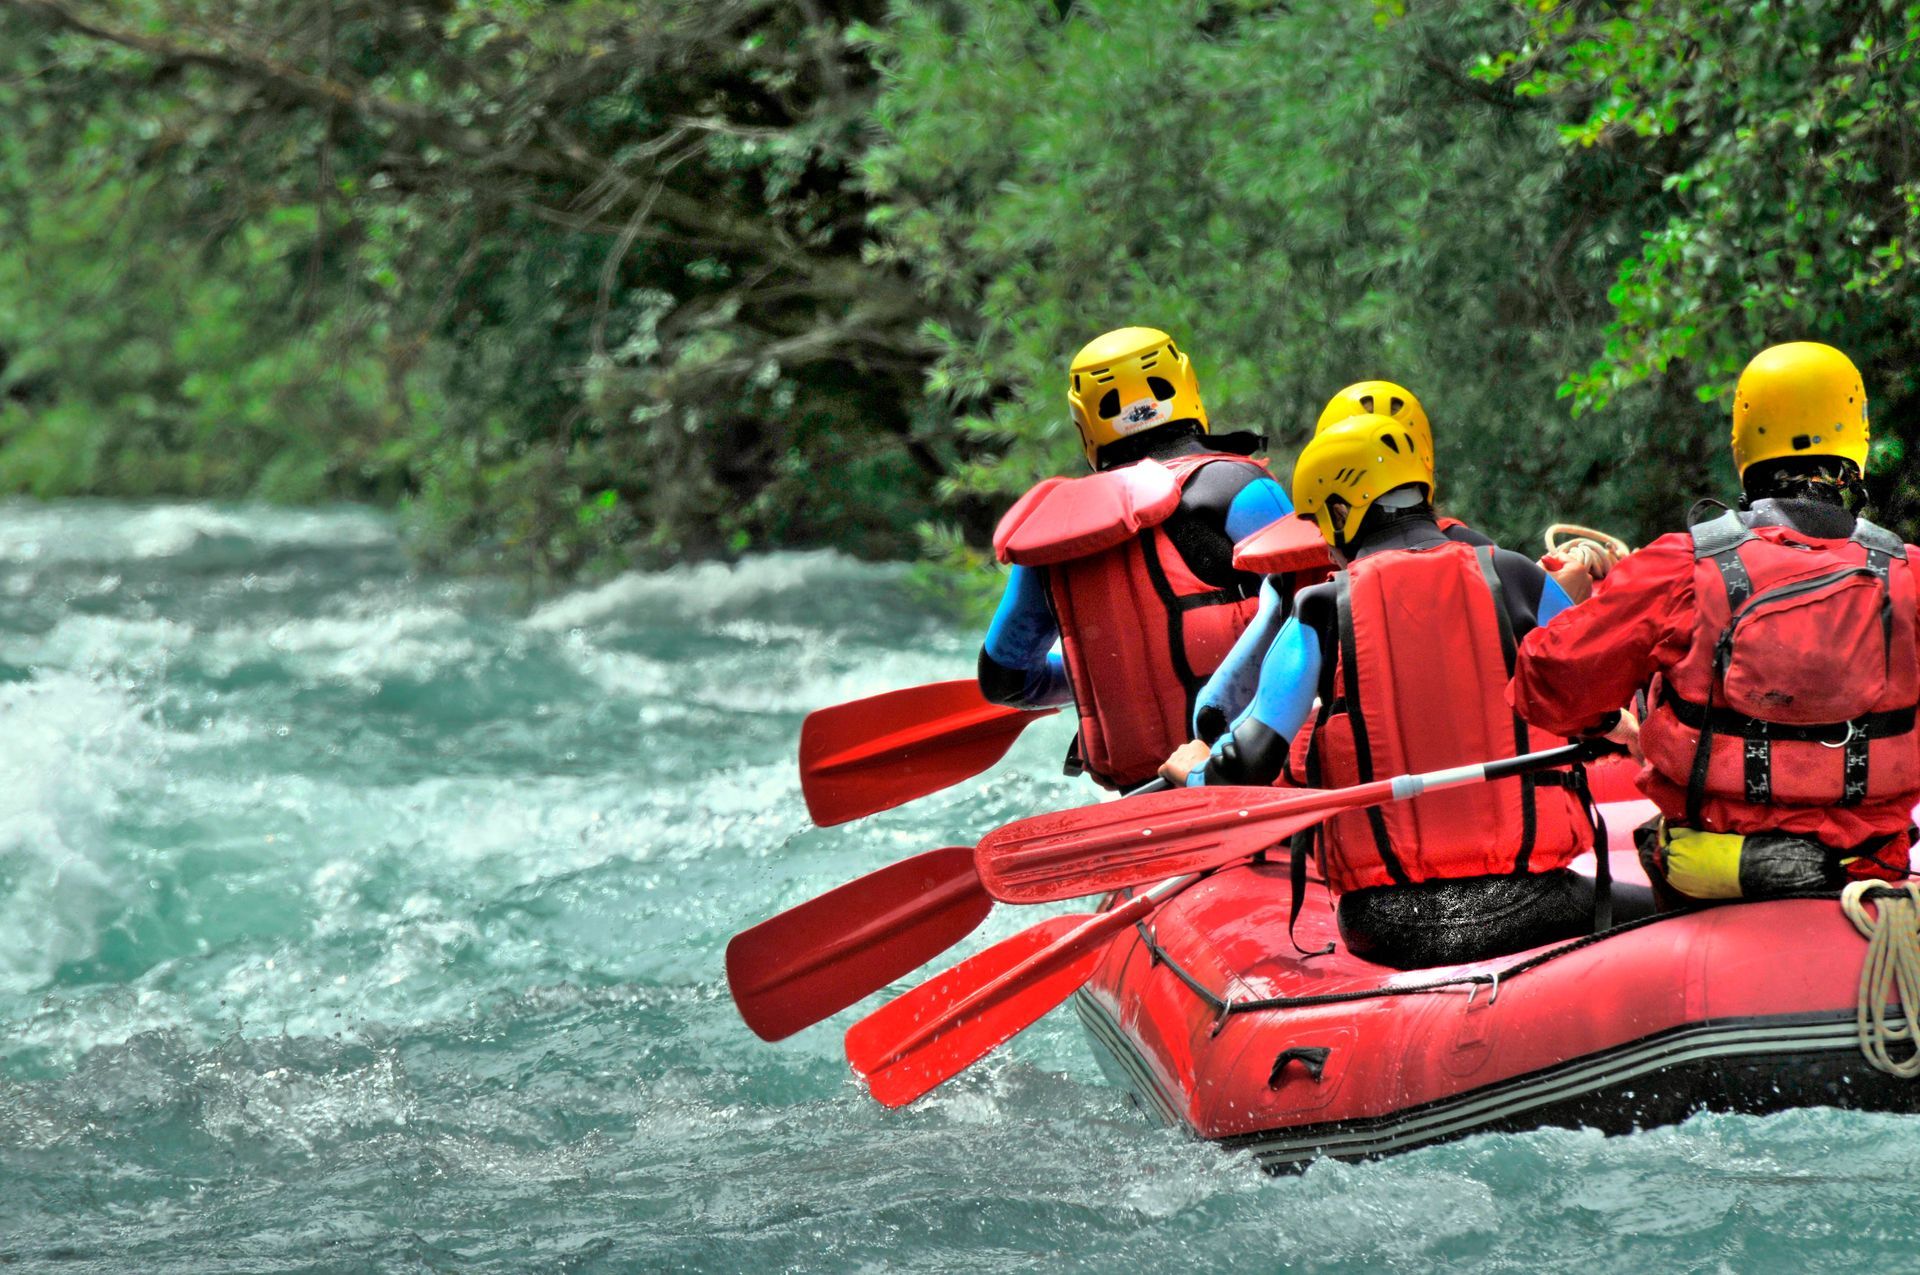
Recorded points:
(1140, 632)
(1425, 652)
(1800, 684)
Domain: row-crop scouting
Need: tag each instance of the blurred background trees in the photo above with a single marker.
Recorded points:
(582, 284)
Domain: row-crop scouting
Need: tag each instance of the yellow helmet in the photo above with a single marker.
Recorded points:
(1358, 460)
(1799, 399)
(1387, 399)
(1128, 381)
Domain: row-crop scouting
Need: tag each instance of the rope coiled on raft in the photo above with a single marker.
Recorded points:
(1891, 971)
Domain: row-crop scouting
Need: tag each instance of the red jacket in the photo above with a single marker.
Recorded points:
(1641, 621)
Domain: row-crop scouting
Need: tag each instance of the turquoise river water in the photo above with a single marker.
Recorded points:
(354, 919)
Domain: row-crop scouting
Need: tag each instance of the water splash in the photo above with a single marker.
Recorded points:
(355, 920)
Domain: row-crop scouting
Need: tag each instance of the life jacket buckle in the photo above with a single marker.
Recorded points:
(1853, 729)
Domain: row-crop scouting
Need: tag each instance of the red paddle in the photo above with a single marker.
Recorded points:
(812, 961)
(919, 1041)
(873, 754)
(939, 1029)
(1072, 854)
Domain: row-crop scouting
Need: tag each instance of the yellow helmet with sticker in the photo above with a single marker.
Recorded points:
(1383, 398)
(1127, 382)
(1799, 399)
(1350, 465)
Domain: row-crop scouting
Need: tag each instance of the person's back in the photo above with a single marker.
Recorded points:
(1777, 646)
(1409, 650)
(1131, 567)
(1230, 688)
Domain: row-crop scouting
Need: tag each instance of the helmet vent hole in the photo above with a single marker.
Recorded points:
(1392, 444)
(1366, 402)
(1394, 405)
(1110, 405)
(1173, 349)
(1162, 389)
(1802, 441)
(1076, 382)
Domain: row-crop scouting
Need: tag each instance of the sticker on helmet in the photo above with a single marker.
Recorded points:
(1142, 414)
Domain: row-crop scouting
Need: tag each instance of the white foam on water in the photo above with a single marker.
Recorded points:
(711, 589)
(369, 640)
(98, 643)
(75, 746)
(109, 531)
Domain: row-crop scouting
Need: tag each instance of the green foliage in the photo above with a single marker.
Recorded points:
(1783, 136)
(577, 282)
(585, 282)
(1305, 197)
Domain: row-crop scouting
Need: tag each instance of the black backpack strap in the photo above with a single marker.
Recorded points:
(1882, 547)
(1602, 861)
(1720, 540)
(1297, 879)
(1357, 720)
(1509, 651)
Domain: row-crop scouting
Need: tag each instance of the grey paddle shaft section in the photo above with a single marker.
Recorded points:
(1413, 785)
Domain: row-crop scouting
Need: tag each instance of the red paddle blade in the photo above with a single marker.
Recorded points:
(812, 961)
(932, 1033)
(1071, 854)
(873, 754)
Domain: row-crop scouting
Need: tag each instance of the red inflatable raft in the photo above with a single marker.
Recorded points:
(1209, 1018)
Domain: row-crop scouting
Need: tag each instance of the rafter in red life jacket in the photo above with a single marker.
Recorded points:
(1425, 649)
(1140, 631)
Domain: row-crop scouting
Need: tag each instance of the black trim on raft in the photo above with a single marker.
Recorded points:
(1729, 1065)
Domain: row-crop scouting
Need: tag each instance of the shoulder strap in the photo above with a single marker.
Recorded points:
(1877, 539)
(1719, 535)
(1184, 467)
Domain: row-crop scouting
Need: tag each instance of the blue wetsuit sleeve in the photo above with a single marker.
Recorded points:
(1553, 600)
(1258, 503)
(1026, 671)
(1255, 750)
(1231, 687)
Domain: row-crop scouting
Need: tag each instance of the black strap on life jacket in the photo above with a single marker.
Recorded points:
(1297, 882)
(1602, 860)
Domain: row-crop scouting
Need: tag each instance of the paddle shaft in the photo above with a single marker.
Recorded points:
(1095, 849)
(1413, 785)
